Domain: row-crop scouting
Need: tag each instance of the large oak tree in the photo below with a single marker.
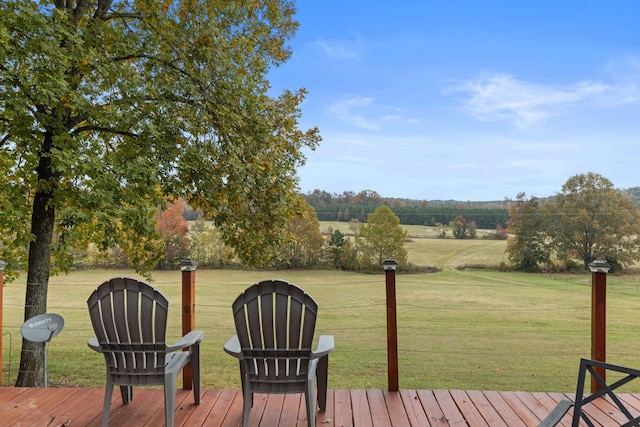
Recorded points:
(592, 218)
(109, 106)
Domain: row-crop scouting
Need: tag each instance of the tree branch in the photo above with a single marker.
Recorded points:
(101, 10)
(5, 139)
(89, 128)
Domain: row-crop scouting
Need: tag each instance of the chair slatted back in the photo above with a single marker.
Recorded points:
(275, 322)
(129, 318)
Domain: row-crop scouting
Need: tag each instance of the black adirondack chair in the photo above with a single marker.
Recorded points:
(129, 318)
(275, 323)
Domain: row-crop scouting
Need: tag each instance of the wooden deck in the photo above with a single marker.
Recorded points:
(55, 407)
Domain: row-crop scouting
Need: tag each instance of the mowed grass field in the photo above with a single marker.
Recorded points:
(458, 329)
(425, 249)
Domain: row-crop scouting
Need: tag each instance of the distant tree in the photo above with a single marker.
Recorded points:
(442, 230)
(354, 226)
(472, 230)
(634, 193)
(191, 214)
(527, 246)
(459, 226)
(174, 231)
(592, 218)
(304, 242)
(500, 233)
(396, 203)
(340, 252)
(207, 247)
(381, 238)
(318, 198)
(366, 197)
(345, 197)
(336, 246)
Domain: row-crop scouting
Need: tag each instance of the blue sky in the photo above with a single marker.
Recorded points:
(467, 100)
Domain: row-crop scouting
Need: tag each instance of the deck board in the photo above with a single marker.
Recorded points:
(396, 409)
(378, 409)
(481, 404)
(57, 407)
(449, 408)
(208, 400)
(360, 408)
(413, 407)
(432, 409)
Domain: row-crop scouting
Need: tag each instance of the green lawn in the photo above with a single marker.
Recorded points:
(465, 329)
(425, 249)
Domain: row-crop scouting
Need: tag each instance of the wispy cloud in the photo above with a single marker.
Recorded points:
(340, 49)
(363, 112)
(502, 97)
(624, 72)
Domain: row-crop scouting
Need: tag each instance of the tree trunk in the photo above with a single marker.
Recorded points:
(42, 224)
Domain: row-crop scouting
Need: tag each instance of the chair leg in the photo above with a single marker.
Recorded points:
(322, 373)
(247, 403)
(311, 404)
(126, 391)
(577, 409)
(194, 362)
(169, 398)
(106, 406)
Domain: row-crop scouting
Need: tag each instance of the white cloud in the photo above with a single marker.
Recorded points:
(339, 50)
(624, 72)
(363, 112)
(502, 97)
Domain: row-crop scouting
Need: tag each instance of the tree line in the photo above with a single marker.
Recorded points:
(484, 218)
(380, 237)
(349, 206)
(589, 219)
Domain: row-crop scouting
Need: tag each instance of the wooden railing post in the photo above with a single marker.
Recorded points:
(2, 265)
(188, 268)
(392, 324)
(599, 272)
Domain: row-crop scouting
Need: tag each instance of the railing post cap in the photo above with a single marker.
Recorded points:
(390, 264)
(599, 266)
(188, 265)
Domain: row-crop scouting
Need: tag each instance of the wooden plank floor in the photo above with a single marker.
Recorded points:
(56, 407)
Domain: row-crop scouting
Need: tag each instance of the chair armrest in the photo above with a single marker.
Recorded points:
(94, 345)
(191, 338)
(233, 348)
(325, 346)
